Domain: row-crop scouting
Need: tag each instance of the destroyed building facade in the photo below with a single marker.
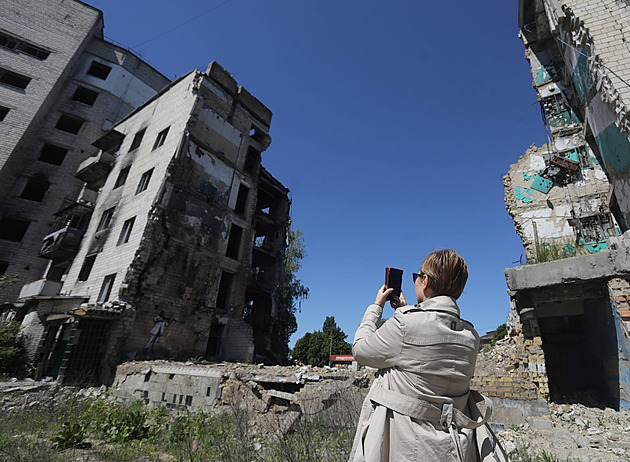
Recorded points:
(570, 203)
(159, 233)
(61, 87)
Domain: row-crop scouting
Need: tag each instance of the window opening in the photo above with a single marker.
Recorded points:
(234, 242)
(122, 177)
(35, 190)
(85, 96)
(13, 79)
(13, 229)
(251, 160)
(126, 231)
(161, 138)
(106, 288)
(52, 154)
(137, 139)
(4, 265)
(241, 199)
(144, 181)
(69, 124)
(99, 70)
(3, 112)
(20, 46)
(106, 219)
(225, 284)
(86, 268)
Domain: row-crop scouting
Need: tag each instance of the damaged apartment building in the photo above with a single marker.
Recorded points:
(570, 201)
(172, 245)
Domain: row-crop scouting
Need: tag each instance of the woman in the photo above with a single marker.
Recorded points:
(420, 407)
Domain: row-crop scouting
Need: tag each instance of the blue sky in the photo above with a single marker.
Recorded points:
(394, 122)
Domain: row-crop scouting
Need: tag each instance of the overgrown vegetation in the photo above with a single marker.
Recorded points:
(103, 430)
(14, 360)
(557, 249)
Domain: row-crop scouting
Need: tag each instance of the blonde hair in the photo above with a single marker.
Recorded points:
(447, 272)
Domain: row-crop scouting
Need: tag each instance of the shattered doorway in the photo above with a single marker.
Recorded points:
(87, 352)
(580, 346)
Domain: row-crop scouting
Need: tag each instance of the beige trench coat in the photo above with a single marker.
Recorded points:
(419, 407)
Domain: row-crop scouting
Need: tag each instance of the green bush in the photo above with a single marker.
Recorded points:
(14, 361)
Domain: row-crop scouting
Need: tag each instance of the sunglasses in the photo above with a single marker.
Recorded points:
(416, 276)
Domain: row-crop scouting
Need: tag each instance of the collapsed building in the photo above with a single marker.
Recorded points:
(570, 203)
(171, 246)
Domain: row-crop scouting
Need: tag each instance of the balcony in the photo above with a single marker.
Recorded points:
(62, 243)
(40, 288)
(94, 170)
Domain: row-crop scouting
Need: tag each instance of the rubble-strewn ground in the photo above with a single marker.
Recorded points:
(34, 413)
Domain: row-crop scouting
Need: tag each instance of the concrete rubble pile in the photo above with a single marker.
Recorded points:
(573, 432)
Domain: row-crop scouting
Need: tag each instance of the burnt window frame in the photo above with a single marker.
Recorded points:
(99, 70)
(85, 95)
(137, 139)
(121, 179)
(52, 151)
(12, 227)
(106, 219)
(35, 189)
(235, 238)
(67, 123)
(86, 268)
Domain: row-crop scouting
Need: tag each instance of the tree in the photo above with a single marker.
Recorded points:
(500, 333)
(315, 347)
(288, 295)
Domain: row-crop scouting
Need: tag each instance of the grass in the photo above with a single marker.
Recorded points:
(103, 430)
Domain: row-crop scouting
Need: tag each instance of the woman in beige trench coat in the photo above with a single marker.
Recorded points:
(420, 407)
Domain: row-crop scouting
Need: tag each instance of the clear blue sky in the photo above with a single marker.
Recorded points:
(394, 122)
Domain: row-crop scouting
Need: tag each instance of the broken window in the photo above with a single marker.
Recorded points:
(85, 96)
(144, 181)
(35, 190)
(252, 159)
(69, 124)
(241, 200)
(554, 104)
(234, 242)
(225, 284)
(13, 229)
(13, 79)
(99, 70)
(122, 177)
(106, 288)
(161, 138)
(4, 265)
(20, 46)
(52, 154)
(126, 231)
(137, 140)
(3, 112)
(86, 268)
(106, 219)
(257, 134)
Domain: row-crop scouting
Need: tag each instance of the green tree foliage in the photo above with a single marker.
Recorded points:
(315, 347)
(288, 295)
(13, 354)
(500, 333)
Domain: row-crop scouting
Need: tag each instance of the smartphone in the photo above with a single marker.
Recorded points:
(393, 279)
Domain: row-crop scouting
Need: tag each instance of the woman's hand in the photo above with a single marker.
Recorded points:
(381, 296)
(399, 301)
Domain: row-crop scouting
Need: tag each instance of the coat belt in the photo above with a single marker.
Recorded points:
(443, 415)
